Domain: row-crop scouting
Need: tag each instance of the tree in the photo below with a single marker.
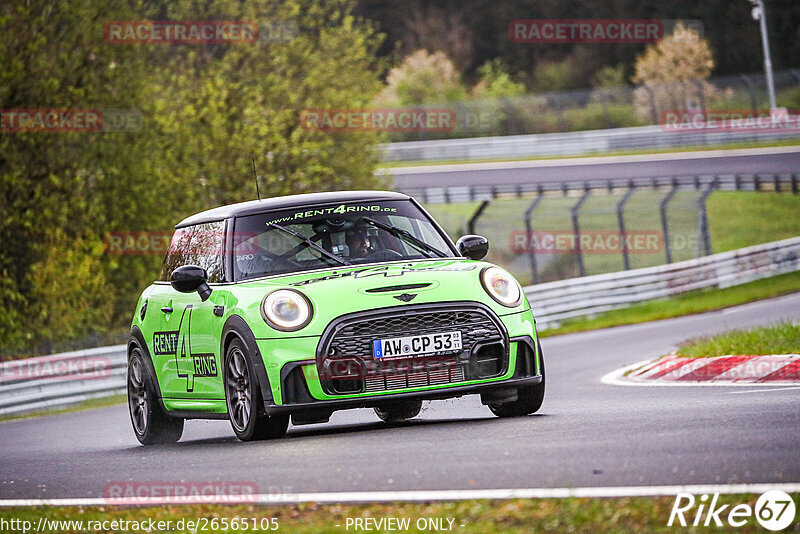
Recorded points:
(423, 78)
(672, 73)
(495, 82)
(206, 110)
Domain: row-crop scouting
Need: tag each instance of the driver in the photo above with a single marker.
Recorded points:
(358, 241)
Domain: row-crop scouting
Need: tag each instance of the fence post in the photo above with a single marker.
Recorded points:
(794, 184)
(701, 92)
(653, 111)
(662, 207)
(475, 216)
(776, 185)
(702, 221)
(562, 123)
(752, 90)
(796, 74)
(604, 102)
(577, 229)
(529, 232)
(621, 220)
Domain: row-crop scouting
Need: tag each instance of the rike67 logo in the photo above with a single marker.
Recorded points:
(774, 510)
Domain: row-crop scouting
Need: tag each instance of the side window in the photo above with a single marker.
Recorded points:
(201, 244)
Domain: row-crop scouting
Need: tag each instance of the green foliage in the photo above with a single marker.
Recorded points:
(609, 77)
(423, 78)
(496, 82)
(553, 76)
(597, 116)
(207, 109)
(781, 338)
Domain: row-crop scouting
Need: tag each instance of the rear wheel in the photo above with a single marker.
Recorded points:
(529, 398)
(246, 411)
(151, 424)
(398, 411)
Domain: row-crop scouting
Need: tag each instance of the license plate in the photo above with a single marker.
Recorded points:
(426, 344)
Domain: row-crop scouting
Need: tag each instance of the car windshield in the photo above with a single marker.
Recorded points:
(302, 239)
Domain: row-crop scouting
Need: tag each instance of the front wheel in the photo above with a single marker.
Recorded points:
(529, 398)
(246, 410)
(151, 424)
(398, 411)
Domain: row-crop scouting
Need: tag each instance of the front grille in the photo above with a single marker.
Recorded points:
(350, 337)
(430, 372)
(355, 338)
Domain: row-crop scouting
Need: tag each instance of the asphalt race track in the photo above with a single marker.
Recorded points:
(587, 434)
(749, 161)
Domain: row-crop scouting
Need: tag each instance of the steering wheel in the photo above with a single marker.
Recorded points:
(384, 255)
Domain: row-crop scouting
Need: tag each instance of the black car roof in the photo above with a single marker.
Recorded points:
(291, 201)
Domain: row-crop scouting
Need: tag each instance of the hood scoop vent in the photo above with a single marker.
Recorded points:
(403, 287)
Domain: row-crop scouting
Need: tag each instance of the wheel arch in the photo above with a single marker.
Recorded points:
(236, 328)
(136, 340)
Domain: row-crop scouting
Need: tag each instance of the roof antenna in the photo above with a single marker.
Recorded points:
(255, 175)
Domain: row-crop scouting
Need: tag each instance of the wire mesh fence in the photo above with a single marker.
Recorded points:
(563, 231)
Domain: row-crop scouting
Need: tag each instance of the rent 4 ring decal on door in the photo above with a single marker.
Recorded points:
(188, 365)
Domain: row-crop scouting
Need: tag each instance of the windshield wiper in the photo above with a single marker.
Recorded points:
(405, 234)
(308, 242)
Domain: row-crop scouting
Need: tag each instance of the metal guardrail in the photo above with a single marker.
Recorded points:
(49, 382)
(553, 302)
(63, 379)
(570, 143)
(782, 182)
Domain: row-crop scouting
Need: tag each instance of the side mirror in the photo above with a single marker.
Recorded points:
(473, 247)
(188, 278)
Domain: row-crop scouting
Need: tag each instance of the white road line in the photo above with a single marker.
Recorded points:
(595, 160)
(429, 495)
(763, 390)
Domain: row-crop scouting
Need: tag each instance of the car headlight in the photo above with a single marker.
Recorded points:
(286, 310)
(501, 286)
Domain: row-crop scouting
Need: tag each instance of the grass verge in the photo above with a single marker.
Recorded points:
(576, 515)
(100, 402)
(686, 304)
(781, 338)
(699, 148)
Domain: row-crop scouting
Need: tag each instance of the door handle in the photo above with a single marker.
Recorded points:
(167, 309)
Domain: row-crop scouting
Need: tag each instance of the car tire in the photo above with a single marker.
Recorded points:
(246, 410)
(151, 424)
(529, 398)
(398, 411)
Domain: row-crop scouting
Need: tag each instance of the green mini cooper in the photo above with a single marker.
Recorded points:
(301, 305)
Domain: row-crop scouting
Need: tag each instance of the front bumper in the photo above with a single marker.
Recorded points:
(299, 379)
(524, 370)
(431, 394)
